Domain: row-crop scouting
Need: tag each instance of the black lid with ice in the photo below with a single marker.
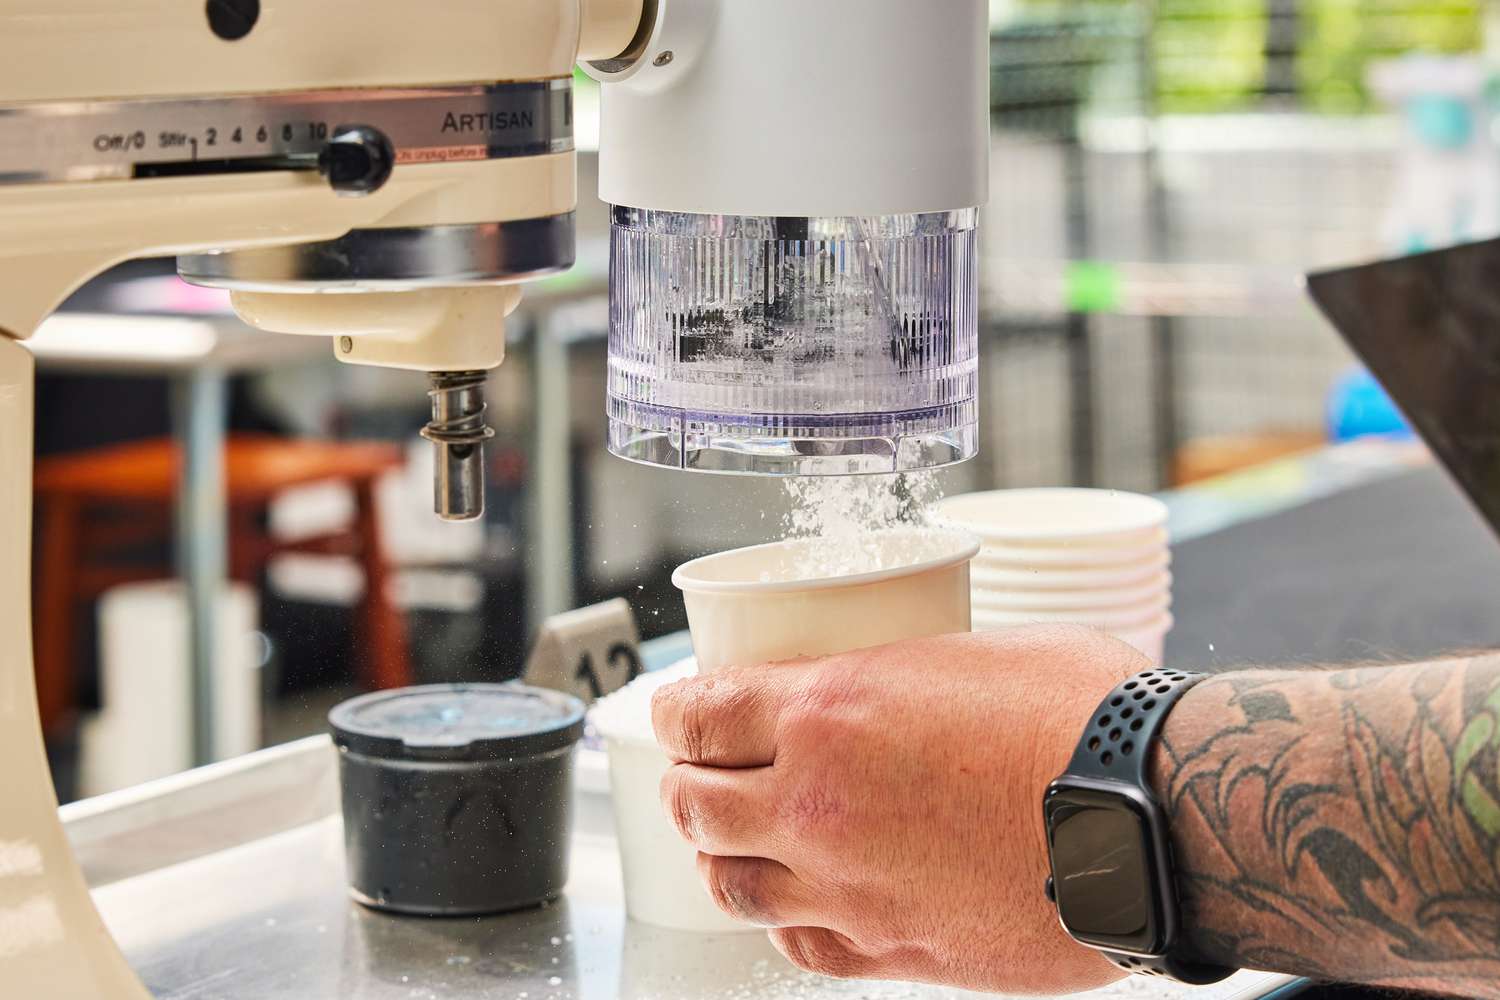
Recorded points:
(458, 722)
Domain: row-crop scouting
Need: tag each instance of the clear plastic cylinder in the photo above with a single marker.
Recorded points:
(793, 346)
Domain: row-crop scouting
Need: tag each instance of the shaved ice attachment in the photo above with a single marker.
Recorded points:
(793, 273)
(793, 346)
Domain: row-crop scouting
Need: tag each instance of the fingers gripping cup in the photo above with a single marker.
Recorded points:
(803, 597)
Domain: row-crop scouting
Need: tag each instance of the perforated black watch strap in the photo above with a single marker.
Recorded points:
(1117, 743)
(1116, 747)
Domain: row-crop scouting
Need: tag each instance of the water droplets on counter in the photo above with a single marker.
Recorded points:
(775, 981)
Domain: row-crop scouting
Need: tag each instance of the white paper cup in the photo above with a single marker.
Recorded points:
(1004, 577)
(1053, 515)
(1072, 555)
(660, 869)
(1102, 598)
(1110, 620)
(756, 605)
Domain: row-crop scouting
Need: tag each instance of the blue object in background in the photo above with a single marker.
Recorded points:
(1441, 121)
(1415, 243)
(1359, 406)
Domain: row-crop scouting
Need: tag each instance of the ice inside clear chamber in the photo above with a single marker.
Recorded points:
(793, 346)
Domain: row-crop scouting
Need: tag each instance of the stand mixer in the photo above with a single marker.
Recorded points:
(794, 253)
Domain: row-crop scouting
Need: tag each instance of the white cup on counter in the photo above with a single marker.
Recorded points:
(659, 868)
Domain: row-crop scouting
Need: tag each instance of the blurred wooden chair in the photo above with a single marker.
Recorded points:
(95, 503)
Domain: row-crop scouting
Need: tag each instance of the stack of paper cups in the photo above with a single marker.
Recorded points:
(1089, 557)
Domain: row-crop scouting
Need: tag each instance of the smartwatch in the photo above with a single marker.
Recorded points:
(1112, 873)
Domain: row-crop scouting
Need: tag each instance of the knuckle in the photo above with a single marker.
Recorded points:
(736, 888)
(664, 709)
(814, 810)
(680, 803)
(818, 951)
(696, 721)
(814, 802)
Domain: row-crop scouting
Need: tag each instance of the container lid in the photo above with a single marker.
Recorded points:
(458, 722)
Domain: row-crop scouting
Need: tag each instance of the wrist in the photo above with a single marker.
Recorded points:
(1215, 733)
(1104, 806)
(1183, 725)
(1194, 718)
(1057, 729)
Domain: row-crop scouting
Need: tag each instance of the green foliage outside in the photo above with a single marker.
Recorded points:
(1210, 54)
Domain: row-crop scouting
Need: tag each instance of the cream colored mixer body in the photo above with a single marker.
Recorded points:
(379, 171)
(795, 188)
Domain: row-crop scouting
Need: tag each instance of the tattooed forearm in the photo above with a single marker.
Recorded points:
(1342, 825)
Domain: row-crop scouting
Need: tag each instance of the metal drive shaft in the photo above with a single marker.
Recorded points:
(457, 432)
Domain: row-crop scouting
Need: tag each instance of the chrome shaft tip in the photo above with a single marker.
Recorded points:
(458, 481)
(457, 432)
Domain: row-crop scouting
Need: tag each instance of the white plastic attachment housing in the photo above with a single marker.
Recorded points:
(793, 275)
(800, 107)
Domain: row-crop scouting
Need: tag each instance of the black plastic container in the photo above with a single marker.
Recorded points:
(457, 797)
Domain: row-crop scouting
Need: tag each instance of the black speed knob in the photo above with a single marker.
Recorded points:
(232, 20)
(357, 160)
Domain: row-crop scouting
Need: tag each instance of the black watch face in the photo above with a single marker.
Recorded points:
(1103, 869)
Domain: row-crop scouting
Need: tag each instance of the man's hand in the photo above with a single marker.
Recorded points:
(881, 809)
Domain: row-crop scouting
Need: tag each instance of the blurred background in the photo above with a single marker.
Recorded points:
(1163, 174)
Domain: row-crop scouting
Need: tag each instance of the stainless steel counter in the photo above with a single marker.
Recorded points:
(227, 883)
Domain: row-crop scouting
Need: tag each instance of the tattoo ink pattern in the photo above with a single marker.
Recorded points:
(1342, 825)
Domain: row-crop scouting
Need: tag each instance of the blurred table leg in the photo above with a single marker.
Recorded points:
(549, 562)
(200, 412)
